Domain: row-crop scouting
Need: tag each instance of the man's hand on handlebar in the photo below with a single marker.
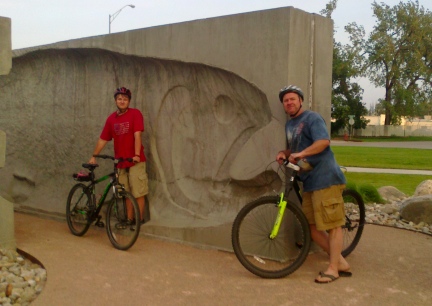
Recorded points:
(281, 157)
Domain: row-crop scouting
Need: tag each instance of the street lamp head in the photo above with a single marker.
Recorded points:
(113, 16)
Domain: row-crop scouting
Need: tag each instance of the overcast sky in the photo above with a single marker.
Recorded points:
(40, 22)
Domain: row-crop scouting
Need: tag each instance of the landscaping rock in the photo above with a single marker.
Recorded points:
(417, 209)
(391, 194)
(20, 279)
(424, 188)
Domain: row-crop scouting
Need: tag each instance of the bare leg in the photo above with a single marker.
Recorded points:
(141, 205)
(129, 207)
(335, 244)
(332, 245)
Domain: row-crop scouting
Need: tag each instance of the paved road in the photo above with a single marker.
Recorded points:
(390, 267)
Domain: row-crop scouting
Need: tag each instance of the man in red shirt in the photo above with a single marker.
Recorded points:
(125, 126)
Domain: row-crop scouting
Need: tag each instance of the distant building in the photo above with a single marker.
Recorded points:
(408, 127)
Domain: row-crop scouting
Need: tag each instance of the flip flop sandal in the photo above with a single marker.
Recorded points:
(345, 273)
(331, 278)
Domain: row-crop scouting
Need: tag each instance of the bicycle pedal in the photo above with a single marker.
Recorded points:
(100, 224)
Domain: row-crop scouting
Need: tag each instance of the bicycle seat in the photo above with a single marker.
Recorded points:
(91, 167)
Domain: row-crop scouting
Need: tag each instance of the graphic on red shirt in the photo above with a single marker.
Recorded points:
(121, 128)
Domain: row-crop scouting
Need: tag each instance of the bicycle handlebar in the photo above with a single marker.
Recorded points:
(119, 160)
(104, 156)
(291, 165)
(300, 163)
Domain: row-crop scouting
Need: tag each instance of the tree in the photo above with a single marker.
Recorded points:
(346, 96)
(397, 56)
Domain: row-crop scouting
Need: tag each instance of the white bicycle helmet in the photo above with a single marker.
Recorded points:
(290, 88)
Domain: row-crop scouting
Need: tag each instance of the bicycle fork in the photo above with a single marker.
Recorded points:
(281, 205)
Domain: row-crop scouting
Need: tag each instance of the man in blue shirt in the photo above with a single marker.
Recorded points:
(323, 181)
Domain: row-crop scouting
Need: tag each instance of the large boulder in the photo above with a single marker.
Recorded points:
(424, 188)
(417, 209)
(391, 194)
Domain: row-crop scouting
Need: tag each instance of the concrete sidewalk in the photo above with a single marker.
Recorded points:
(390, 267)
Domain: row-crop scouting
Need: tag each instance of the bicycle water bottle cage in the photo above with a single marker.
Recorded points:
(82, 176)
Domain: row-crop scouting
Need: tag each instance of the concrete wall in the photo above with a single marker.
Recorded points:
(7, 225)
(208, 91)
(5, 45)
(2, 149)
(7, 237)
(270, 49)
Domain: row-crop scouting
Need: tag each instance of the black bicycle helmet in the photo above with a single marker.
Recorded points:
(290, 88)
(123, 91)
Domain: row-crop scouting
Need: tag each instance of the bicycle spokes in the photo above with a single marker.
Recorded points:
(257, 251)
(78, 210)
(122, 229)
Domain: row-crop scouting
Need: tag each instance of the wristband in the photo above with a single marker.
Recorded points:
(138, 155)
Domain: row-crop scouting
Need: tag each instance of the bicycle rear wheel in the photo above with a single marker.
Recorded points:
(122, 232)
(257, 252)
(355, 219)
(78, 210)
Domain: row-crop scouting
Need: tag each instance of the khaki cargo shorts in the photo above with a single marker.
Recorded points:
(325, 207)
(135, 179)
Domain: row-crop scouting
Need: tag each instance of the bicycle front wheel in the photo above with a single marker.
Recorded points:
(355, 215)
(257, 252)
(78, 210)
(123, 232)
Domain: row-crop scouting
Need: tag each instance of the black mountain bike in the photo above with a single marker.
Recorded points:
(82, 207)
(271, 236)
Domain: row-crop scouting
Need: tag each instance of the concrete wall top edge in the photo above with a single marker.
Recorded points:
(60, 44)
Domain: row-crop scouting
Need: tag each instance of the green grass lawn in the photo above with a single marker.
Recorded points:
(387, 158)
(406, 183)
(390, 158)
(392, 138)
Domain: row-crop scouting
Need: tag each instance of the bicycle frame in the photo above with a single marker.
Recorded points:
(282, 202)
(117, 188)
(122, 213)
(91, 188)
(282, 205)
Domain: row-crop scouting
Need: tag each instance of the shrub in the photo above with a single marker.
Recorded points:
(353, 186)
(370, 194)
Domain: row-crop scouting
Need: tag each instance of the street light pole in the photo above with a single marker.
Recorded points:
(113, 16)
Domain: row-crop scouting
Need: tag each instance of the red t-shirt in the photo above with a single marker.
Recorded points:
(122, 129)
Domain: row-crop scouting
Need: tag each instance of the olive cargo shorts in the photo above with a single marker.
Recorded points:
(325, 207)
(135, 179)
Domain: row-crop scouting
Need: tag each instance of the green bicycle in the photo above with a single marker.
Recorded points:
(271, 236)
(82, 207)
